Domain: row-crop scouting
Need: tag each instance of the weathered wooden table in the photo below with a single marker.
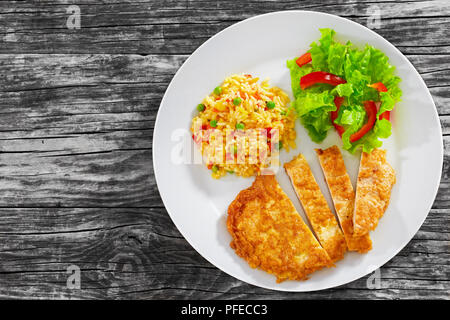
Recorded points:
(78, 107)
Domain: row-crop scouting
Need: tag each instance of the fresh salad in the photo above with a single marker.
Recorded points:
(353, 90)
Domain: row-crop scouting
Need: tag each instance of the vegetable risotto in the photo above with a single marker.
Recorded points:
(242, 107)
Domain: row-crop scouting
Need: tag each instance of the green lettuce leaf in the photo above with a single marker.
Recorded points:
(312, 106)
(352, 118)
(320, 51)
(312, 101)
(296, 73)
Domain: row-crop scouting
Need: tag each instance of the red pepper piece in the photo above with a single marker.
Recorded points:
(385, 115)
(320, 77)
(371, 110)
(304, 59)
(197, 138)
(379, 86)
(334, 114)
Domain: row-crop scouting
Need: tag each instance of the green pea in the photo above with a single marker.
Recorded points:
(230, 171)
(279, 145)
(213, 123)
(240, 126)
(201, 107)
(218, 91)
(237, 101)
(270, 104)
(215, 168)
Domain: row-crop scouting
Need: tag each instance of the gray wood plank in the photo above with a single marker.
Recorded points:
(138, 253)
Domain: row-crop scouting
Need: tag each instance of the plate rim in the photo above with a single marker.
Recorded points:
(235, 25)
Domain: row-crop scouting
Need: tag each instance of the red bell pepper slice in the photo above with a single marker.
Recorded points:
(371, 110)
(304, 59)
(385, 115)
(334, 114)
(379, 86)
(320, 77)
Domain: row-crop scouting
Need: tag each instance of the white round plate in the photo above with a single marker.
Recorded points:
(260, 46)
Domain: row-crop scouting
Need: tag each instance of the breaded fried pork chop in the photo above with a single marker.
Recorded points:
(322, 220)
(269, 233)
(373, 190)
(343, 195)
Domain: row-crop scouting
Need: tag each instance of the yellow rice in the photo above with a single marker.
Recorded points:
(253, 113)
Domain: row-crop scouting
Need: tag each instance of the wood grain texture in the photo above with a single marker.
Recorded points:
(178, 27)
(138, 253)
(77, 112)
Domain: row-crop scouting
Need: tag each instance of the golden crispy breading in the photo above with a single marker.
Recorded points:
(343, 195)
(316, 208)
(373, 190)
(269, 233)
